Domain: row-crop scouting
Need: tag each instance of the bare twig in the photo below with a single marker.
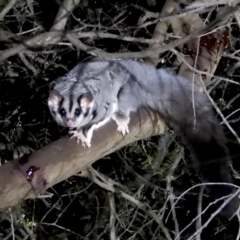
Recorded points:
(64, 11)
(199, 211)
(219, 112)
(171, 196)
(227, 200)
(12, 224)
(112, 216)
(7, 8)
(205, 4)
(131, 199)
(28, 64)
(214, 215)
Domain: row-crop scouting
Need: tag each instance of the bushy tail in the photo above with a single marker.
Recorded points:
(194, 120)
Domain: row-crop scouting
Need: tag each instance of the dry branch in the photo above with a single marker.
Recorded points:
(64, 11)
(64, 158)
(7, 8)
(46, 39)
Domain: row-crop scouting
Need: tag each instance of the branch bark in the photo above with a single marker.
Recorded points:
(46, 39)
(64, 11)
(64, 158)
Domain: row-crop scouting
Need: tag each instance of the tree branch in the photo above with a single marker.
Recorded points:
(64, 158)
(46, 39)
(64, 11)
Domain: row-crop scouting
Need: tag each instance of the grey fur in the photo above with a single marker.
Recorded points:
(121, 87)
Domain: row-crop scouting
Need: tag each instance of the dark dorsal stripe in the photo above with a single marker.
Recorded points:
(94, 114)
(61, 102)
(70, 103)
(87, 112)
